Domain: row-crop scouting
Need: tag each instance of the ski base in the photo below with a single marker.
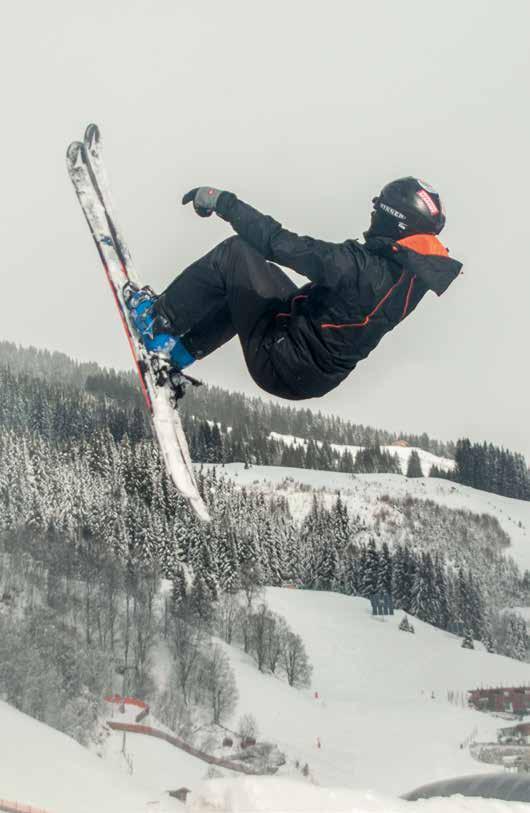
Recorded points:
(162, 386)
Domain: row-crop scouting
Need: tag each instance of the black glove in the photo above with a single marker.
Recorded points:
(204, 199)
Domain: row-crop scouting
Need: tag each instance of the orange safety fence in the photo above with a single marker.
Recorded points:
(16, 807)
(178, 743)
(130, 701)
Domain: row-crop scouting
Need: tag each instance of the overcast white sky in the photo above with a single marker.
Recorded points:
(304, 109)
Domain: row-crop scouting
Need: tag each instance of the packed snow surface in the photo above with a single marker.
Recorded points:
(381, 730)
(362, 493)
(156, 764)
(46, 769)
(273, 795)
(378, 704)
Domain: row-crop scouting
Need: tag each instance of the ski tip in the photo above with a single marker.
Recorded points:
(92, 135)
(74, 153)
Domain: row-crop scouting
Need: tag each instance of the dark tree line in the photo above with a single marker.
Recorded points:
(232, 409)
(489, 468)
(60, 412)
(210, 404)
(209, 445)
(80, 466)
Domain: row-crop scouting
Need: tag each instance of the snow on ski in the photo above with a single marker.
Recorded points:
(88, 176)
(98, 173)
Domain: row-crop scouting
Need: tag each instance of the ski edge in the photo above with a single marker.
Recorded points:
(77, 153)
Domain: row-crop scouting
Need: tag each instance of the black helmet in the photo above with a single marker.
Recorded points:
(407, 206)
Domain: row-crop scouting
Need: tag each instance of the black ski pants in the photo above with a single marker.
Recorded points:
(231, 290)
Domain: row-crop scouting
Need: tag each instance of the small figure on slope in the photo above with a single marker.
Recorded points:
(299, 342)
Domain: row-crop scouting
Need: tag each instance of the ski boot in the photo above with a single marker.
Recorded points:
(153, 328)
(167, 354)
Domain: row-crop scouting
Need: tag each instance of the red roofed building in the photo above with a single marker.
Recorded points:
(511, 700)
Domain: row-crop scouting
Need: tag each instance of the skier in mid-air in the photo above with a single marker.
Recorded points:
(299, 342)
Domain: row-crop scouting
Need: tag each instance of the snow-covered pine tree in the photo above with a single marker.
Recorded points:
(414, 468)
(271, 551)
(475, 606)
(228, 559)
(441, 591)
(312, 534)
(384, 576)
(327, 569)
(291, 554)
(340, 526)
(357, 567)
(404, 569)
(370, 576)
(424, 598)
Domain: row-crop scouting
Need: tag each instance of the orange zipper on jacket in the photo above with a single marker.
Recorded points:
(421, 244)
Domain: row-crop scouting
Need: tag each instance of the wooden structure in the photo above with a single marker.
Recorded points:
(511, 700)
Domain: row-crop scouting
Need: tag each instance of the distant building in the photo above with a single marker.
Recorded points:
(402, 443)
(514, 700)
(515, 734)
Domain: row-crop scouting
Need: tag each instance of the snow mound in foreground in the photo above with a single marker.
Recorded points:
(270, 795)
(46, 769)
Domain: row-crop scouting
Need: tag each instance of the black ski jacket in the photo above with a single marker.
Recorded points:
(357, 293)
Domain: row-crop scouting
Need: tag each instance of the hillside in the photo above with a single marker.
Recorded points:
(154, 764)
(46, 769)
(87, 505)
(363, 495)
(381, 732)
(427, 459)
(258, 418)
(378, 725)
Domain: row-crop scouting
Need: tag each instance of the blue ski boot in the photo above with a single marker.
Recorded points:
(153, 328)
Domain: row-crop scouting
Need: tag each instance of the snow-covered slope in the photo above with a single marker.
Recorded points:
(156, 764)
(427, 459)
(44, 768)
(377, 721)
(381, 731)
(362, 493)
(284, 796)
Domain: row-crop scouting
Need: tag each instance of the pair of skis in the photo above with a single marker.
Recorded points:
(162, 385)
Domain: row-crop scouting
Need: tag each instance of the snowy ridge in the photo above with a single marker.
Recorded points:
(427, 459)
(362, 493)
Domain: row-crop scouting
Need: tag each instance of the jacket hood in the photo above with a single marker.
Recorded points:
(422, 255)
